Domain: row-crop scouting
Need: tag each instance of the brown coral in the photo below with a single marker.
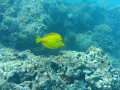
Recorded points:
(67, 79)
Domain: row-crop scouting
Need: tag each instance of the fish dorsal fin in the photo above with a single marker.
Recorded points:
(50, 34)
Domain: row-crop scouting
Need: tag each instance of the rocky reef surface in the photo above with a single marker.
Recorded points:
(70, 70)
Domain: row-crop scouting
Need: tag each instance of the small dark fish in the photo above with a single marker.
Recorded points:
(13, 28)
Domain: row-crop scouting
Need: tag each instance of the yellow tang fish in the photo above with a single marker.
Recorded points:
(51, 40)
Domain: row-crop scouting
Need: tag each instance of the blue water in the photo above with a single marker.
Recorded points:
(111, 2)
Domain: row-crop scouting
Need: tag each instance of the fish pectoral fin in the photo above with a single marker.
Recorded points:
(38, 39)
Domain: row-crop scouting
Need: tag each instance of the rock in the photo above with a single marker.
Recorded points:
(68, 71)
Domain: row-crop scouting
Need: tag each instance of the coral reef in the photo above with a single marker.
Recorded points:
(30, 18)
(103, 29)
(70, 70)
(103, 36)
(21, 68)
(84, 41)
(21, 21)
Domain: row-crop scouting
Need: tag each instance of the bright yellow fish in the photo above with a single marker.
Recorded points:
(51, 40)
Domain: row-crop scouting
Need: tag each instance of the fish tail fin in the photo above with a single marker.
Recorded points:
(38, 39)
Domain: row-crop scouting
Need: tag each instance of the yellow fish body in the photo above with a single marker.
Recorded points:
(51, 40)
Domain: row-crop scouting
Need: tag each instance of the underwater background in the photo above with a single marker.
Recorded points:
(90, 59)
